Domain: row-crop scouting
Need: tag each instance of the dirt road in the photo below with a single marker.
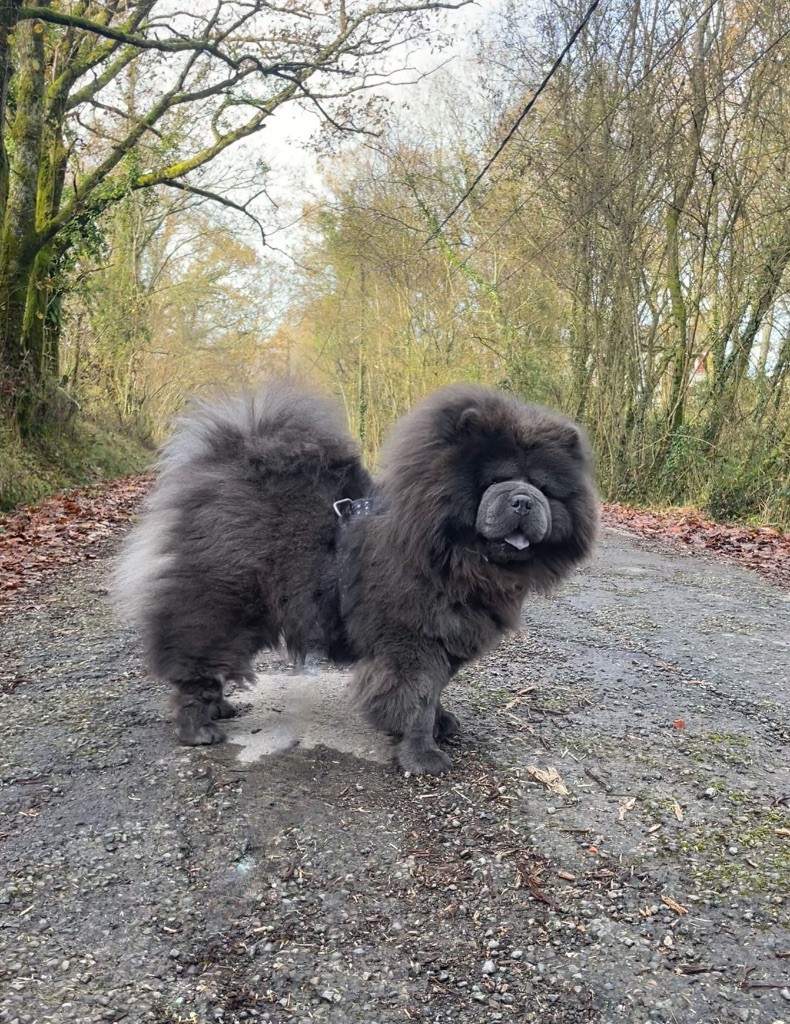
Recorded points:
(295, 875)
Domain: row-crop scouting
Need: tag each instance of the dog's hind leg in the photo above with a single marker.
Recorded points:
(417, 752)
(198, 702)
(223, 708)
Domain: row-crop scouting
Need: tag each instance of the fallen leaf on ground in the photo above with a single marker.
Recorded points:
(529, 875)
(550, 778)
(673, 905)
(678, 810)
(625, 807)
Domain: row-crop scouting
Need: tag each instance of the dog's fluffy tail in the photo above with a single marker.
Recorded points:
(277, 438)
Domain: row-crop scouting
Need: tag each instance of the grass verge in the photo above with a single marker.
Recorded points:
(81, 453)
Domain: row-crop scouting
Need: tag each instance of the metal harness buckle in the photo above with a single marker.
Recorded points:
(345, 508)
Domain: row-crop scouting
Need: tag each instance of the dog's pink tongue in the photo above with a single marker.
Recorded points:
(517, 540)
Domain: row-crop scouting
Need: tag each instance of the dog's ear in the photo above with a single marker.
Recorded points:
(470, 420)
(456, 423)
(570, 437)
(461, 423)
(574, 440)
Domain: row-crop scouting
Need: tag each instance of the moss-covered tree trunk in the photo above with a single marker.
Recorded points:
(20, 243)
(40, 333)
(41, 327)
(9, 12)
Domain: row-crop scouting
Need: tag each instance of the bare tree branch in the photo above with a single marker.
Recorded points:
(215, 197)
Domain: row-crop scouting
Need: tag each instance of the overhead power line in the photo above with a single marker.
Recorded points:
(651, 153)
(610, 112)
(489, 164)
(662, 143)
(523, 203)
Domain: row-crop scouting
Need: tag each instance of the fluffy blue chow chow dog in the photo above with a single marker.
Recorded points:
(264, 526)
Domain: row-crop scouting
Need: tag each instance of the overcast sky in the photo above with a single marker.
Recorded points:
(284, 145)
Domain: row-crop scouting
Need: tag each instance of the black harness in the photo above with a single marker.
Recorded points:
(347, 511)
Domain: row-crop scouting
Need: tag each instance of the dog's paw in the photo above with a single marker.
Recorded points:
(224, 709)
(446, 725)
(203, 736)
(423, 760)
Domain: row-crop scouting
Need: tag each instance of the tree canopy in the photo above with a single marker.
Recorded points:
(101, 100)
(620, 251)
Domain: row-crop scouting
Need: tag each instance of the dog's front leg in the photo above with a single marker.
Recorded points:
(401, 695)
(418, 752)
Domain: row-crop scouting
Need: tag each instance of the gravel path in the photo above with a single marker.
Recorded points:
(141, 881)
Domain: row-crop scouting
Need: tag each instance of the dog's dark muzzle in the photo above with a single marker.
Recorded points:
(515, 513)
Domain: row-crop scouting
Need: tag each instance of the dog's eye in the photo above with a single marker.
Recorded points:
(501, 475)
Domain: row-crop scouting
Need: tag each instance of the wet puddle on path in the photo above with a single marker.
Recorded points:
(307, 709)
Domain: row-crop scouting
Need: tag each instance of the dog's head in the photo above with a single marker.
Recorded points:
(484, 472)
